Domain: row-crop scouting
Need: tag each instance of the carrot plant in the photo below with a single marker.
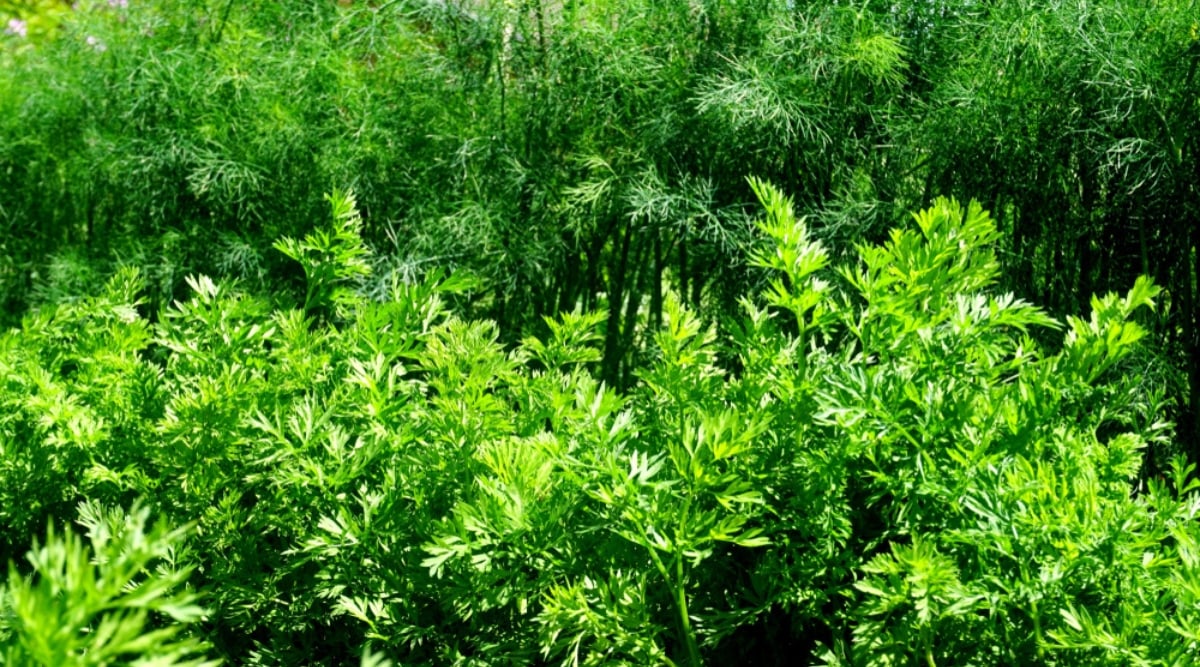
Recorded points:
(93, 602)
(877, 463)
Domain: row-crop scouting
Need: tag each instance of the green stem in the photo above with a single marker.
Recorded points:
(224, 19)
(927, 642)
(680, 598)
(685, 621)
(1037, 627)
(802, 348)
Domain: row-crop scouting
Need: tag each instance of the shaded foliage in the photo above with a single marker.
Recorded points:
(594, 154)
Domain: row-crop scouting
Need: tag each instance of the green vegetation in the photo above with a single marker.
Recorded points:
(615, 342)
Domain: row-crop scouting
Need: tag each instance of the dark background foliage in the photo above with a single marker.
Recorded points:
(593, 153)
(590, 154)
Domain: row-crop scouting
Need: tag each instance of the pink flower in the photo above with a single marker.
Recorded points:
(96, 43)
(17, 27)
(122, 4)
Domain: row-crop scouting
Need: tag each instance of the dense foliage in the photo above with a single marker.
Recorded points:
(541, 383)
(875, 463)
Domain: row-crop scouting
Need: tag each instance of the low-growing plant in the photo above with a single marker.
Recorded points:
(876, 464)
